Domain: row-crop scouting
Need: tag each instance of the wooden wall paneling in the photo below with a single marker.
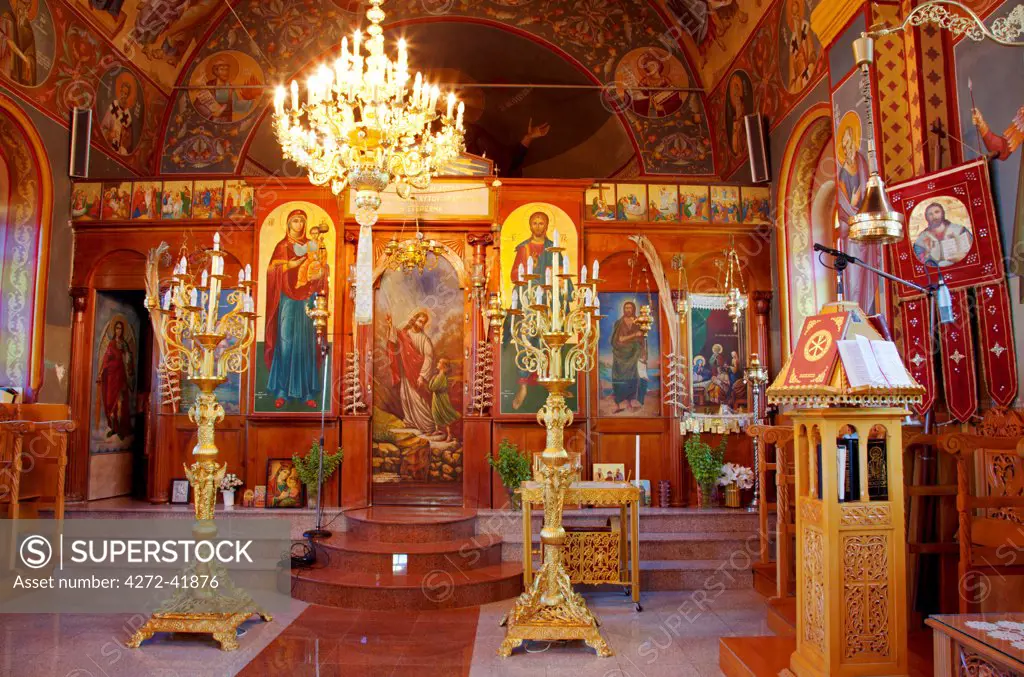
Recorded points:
(282, 438)
(476, 472)
(78, 390)
(355, 471)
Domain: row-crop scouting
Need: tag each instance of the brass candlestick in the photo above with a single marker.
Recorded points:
(190, 329)
(555, 332)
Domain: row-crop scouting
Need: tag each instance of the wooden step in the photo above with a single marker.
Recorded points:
(342, 551)
(782, 615)
(762, 656)
(433, 590)
(692, 575)
(410, 524)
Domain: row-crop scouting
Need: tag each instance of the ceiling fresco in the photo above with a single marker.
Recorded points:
(625, 45)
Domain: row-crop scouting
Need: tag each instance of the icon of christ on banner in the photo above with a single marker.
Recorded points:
(298, 269)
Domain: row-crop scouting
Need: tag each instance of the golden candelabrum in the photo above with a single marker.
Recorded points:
(190, 331)
(555, 331)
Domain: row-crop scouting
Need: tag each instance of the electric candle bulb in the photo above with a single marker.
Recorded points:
(295, 96)
(529, 265)
(522, 273)
(356, 38)
(451, 104)
(539, 296)
(597, 305)
(554, 238)
(344, 47)
(458, 118)
(205, 280)
(596, 276)
(184, 265)
(216, 242)
(434, 93)
(166, 303)
(248, 273)
(279, 95)
(547, 276)
(565, 265)
(515, 299)
(583, 275)
(194, 297)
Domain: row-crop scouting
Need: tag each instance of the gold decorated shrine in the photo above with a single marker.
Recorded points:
(593, 557)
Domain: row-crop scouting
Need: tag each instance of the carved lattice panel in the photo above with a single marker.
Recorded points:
(865, 597)
(814, 589)
(592, 557)
(1004, 478)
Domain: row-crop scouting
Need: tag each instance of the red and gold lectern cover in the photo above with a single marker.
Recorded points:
(817, 350)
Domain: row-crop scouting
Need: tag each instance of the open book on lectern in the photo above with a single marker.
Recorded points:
(873, 364)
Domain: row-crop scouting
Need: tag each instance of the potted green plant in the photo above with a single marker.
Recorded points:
(706, 465)
(513, 467)
(309, 466)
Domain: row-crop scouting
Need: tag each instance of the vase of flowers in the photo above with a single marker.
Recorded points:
(706, 465)
(228, 485)
(735, 478)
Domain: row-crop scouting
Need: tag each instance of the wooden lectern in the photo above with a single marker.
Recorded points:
(851, 571)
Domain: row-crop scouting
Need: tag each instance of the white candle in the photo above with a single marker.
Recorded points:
(166, 304)
(597, 304)
(194, 300)
(556, 307)
(279, 95)
(522, 273)
(184, 265)
(515, 300)
(539, 296)
(205, 280)
(458, 117)
(596, 275)
(554, 264)
(547, 276)
(555, 238)
(583, 276)
(565, 266)
(295, 96)
(637, 466)
(529, 265)
(451, 104)
(248, 273)
(216, 242)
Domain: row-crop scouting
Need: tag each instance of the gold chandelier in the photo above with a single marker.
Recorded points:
(415, 255)
(361, 125)
(735, 297)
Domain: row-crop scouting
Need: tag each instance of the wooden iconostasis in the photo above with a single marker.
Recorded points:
(423, 393)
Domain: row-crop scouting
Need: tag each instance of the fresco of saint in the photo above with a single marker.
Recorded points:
(115, 383)
(18, 42)
(116, 125)
(294, 275)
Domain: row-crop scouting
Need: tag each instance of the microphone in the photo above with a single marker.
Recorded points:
(836, 253)
(944, 301)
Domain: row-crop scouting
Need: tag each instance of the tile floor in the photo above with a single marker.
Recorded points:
(676, 634)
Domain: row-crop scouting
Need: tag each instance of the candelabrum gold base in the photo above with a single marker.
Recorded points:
(218, 613)
(551, 609)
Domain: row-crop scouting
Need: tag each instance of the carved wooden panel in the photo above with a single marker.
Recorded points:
(1004, 477)
(810, 511)
(866, 515)
(866, 597)
(814, 588)
(971, 664)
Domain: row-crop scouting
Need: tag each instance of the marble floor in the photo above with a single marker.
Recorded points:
(676, 634)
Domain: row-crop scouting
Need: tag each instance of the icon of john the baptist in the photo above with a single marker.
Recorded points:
(296, 272)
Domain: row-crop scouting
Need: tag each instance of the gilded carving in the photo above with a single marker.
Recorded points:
(866, 633)
(860, 515)
(592, 557)
(814, 588)
(975, 665)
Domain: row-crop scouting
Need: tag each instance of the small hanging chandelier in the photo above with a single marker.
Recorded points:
(413, 256)
(644, 317)
(363, 127)
(736, 298)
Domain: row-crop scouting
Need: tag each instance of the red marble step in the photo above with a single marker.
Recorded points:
(434, 590)
(764, 656)
(399, 524)
(342, 551)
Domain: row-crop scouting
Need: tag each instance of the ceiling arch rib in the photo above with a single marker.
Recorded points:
(620, 44)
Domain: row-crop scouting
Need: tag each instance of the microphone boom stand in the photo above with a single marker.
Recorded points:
(318, 531)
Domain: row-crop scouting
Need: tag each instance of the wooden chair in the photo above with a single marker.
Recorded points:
(990, 509)
(775, 457)
(33, 459)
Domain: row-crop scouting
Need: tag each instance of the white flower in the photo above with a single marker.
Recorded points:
(230, 482)
(734, 473)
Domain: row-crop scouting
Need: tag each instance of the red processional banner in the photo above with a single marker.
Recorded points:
(960, 384)
(918, 349)
(951, 228)
(995, 333)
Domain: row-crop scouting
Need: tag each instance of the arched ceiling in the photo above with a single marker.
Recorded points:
(606, 42)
